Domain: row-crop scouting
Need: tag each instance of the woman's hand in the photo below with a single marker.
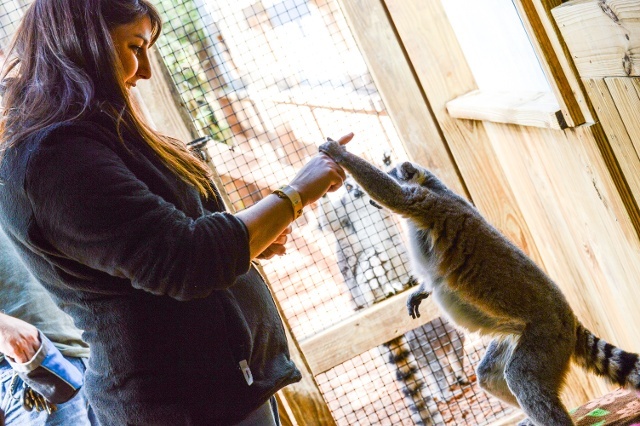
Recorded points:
(19, 340)
(319, 176)
(268, 221)
(277, 248)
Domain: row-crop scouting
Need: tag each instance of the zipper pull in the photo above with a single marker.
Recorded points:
(246, 371)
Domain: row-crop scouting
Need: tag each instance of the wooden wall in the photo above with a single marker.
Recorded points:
(558, 194)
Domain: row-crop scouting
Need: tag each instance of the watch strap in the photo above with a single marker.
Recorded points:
(293, 196)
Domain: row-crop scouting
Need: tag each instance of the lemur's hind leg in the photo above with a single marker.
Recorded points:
(490, 371)
(536, 371)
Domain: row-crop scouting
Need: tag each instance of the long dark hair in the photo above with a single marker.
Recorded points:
(62, 64)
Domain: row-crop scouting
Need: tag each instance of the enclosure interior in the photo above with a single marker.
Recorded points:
(265, 82)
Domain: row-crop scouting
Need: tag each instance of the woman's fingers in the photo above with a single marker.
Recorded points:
(18, 339)
(273, 250)
(283, 237)
(345, 139)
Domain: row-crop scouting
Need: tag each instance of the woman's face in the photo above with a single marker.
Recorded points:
(132, 46)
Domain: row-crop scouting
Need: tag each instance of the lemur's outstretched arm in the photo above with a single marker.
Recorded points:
(379, 185)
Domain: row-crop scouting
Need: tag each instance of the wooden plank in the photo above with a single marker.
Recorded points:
(555, 59)
(602, 36)
(626, 101)
(589, 244)
(444, 75)
(372, 327)
(525, 109)
(487, 162)
(399, 88)
(303, 400)
(162, 104)
(619, 148)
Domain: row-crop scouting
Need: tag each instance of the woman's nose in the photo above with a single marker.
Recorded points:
(144, 67)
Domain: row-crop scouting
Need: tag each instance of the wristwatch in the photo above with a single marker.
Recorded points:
(293, 196)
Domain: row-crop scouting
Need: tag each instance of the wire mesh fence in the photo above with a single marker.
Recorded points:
(275, 78)
(11, 12)
(278, 77)
(425, 377)
(266, 81)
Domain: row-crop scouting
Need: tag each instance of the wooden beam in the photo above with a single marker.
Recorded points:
(481, 153)
(167, 113)
(303, 400)
(617, 103)
(525, 109)
(400, 89)
(443, 72)
(603, 36)
(555, 59)
(372, 327)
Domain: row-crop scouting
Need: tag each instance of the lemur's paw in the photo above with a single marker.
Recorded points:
(413, 303)
(333, 149)
(407, 171)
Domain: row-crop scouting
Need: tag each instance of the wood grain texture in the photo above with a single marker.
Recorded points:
(603, 36)
(372, 327)
(442, 71)
(524, 181)
(400, 89)
(617, 105)
(524, 109)
(555, 59)
(582, 227)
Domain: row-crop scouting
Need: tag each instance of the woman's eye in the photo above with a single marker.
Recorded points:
(136, 49)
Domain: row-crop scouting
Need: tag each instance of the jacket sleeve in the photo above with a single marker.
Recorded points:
(92, 209)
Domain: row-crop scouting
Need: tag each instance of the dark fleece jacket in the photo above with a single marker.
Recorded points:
(159, 279)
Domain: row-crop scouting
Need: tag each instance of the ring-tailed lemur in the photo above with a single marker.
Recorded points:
(372, 259)
(488, 285)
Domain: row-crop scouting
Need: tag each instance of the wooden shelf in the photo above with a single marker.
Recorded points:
(524, 109)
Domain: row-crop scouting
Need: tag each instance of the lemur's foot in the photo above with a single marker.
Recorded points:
(333, 149)
(413, 303)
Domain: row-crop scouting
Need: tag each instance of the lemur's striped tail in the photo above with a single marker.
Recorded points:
(606, 360)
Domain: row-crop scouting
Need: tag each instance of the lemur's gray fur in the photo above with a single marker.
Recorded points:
(373, 260)
(486, 284)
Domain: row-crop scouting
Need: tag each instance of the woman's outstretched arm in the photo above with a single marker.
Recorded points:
(268, 220)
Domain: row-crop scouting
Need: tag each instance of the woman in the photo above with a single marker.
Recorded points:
(123, 227)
